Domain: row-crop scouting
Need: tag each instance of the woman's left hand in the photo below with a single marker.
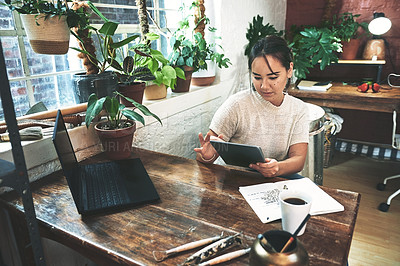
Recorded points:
(268, 169)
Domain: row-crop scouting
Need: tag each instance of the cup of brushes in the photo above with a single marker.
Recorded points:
(277, 247)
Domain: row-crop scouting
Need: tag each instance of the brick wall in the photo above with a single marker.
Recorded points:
(310, 12)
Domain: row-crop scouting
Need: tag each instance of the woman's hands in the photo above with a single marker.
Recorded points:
(293, 164)
(268, 169)
(206, 153)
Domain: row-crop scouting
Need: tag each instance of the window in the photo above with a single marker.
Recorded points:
(48, 78)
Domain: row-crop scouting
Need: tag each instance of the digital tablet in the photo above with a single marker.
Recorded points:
(238, 154)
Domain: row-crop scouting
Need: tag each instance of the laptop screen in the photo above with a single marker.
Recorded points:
(63, 145)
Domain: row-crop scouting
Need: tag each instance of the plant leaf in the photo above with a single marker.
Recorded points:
(130, 114)
(109, 28)
(141, 107)
(124, 41)
(94, 107)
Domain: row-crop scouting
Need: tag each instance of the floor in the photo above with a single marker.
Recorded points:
(376, 240)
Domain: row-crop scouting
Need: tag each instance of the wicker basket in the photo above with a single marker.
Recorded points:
(47, 36)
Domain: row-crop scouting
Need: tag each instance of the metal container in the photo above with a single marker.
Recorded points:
(314, 165)
(103, 84)
(262, 254)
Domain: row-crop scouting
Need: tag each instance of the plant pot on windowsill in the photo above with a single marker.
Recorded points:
(184, 85)
(47, 35)
(134, 91)
(155, 92)
(103, 84)
(205, 77)
(117, 143)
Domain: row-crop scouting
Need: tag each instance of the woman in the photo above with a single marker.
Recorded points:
(265, 115)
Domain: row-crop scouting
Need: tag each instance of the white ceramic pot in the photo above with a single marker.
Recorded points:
(47, 36)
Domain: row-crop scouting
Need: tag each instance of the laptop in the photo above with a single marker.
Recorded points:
(102, 187)
(238, 154)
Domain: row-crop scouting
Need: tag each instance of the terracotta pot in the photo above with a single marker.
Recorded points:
(350, 49)
(134, 91)
(117, 143)
(205, 77)
(47, 36)
(203, 81)
(374, 48)
(155, 92)
(184, 85)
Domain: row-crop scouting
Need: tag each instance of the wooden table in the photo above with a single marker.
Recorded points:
(197, 201)
(347, 97)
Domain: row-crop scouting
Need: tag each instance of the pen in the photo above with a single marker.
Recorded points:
(291, 239)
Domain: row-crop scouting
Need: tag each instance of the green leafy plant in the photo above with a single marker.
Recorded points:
(313, 46)
(257, 30)
(346, 27)
(145, 64)
(189, 48)
(310, 45)
(107, 46)
(47, 9)
(115, 111)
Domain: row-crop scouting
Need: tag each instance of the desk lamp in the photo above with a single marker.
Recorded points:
(375, 48)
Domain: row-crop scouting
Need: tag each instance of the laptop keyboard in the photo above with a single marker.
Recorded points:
(103, 188)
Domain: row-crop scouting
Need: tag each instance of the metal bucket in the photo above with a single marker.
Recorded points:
(314, 165)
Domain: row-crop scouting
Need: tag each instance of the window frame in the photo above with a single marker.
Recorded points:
(123, 29)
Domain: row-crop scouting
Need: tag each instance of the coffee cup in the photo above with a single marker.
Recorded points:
(295, 205)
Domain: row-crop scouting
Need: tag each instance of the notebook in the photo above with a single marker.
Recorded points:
(264, 198)
(308, 85)
(102, 187)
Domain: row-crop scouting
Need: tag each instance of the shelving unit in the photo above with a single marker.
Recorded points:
(15, 175)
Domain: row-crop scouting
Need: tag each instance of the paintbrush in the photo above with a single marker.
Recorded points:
(162, 255)
(265, 244)
(291, 239)
(226, 257)
(29, 133)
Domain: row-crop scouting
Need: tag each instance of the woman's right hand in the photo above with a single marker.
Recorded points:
(206, 152)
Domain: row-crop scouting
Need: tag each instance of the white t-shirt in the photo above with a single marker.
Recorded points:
(247, 118)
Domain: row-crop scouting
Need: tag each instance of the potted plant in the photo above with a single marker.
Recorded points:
(313, 46)
(205, 76)
(143, 64)
(347, 29)
(116, 133)
(47, 24)
(97, 78)
(310, 46)
(256, 31)
(190, 51)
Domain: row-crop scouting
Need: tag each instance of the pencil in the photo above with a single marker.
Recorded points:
(291, 239)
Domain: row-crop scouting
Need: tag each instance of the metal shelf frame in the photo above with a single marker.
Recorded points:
(15, 175)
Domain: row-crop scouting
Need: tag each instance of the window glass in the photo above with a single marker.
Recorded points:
(19, 94)
(48, 78)
(6, 21)
(54, 91)
(12, 57)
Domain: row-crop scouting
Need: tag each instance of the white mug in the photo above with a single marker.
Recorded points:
(295, 205)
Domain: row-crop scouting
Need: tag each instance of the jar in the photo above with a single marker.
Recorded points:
(268, 254)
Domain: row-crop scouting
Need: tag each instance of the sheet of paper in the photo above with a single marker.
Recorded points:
(264, 198)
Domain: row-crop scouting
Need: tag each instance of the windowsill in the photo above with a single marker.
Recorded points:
(40, 155)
